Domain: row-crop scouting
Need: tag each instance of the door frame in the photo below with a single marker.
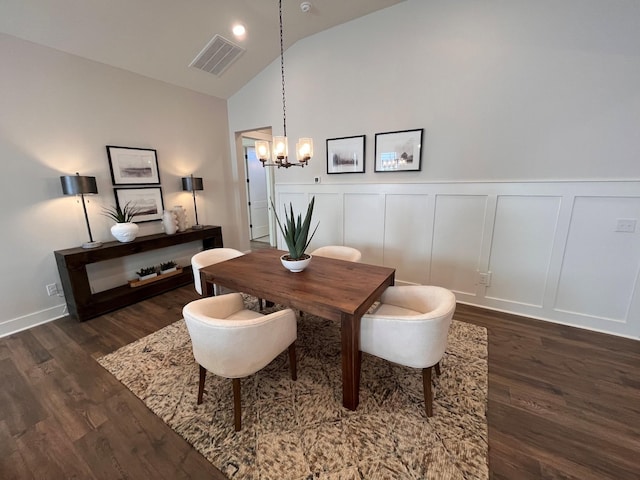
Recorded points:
(260, 134)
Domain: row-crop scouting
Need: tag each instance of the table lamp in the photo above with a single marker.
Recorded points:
(192, 184)
(81, 185)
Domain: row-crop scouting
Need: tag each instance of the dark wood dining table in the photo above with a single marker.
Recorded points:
(333, 289)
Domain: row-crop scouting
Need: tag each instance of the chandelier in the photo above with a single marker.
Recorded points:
(304, 147)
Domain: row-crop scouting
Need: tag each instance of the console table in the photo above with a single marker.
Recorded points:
(72, 267)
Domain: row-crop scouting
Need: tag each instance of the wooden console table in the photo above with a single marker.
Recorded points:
(72, 266)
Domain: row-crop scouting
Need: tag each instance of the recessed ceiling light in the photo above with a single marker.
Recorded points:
(239, 30)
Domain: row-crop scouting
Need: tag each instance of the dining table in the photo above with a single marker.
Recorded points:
(337, 290)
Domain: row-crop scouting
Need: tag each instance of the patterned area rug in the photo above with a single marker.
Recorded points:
(299, 429)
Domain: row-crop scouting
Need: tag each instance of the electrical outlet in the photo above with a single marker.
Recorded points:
(316, 179)
(52, 289)
(627, 225)
(484, 279)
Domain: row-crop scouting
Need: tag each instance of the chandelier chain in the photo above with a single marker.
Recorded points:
(284, 107)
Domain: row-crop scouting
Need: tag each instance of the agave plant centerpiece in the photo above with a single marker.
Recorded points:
(295, 231)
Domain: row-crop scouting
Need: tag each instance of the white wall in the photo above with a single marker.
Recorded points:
(58, 112)
(516, 92)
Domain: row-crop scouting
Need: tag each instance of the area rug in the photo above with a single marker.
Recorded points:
(299, 429)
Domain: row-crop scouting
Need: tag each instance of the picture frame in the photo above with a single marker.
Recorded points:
(346, 154)
(148, 199)
(133, 166)
(399, 151)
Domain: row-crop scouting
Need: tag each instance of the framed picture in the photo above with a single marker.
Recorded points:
(345, 155)
(147, 199)
(133, 166)
(399, 151)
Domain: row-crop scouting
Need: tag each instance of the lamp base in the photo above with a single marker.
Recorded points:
(91, 244)
(197, 227)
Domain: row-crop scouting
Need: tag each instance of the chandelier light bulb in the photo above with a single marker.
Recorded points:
(262, 151)
(280, 148)
(304, 150)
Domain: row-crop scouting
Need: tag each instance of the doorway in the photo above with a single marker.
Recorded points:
(259, 188)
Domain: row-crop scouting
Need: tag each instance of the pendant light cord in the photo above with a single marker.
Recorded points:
(284, 108)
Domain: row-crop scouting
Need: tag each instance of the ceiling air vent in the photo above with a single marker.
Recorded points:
(217, 55)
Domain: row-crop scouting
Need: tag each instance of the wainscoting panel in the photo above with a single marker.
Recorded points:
(458, 230)
(600, 266)
(364, 225)
(548, 250)
(407, 236)
(522, 241)
(329, 212)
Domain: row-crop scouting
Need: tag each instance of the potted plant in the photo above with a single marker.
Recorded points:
(296, 235)
(146, 272)
(168, 267)
(124, 230)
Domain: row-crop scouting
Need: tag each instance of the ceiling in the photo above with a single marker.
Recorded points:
(160, 38)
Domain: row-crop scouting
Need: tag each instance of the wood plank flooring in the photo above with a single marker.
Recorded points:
(563, 403)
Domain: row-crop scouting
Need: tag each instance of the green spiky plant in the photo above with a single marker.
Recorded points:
(167, 265)
(121, 215)
(296, 231)
(144, 271)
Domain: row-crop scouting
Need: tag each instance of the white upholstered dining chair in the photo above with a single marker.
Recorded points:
(410, 327)
(232, 342)
(339, 252)
(209, 257)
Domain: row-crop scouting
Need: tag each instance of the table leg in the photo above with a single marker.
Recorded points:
(207, 287)
(350, 330)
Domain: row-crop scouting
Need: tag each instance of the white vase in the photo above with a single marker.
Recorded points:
(181, 216)
(295, 265)
(125, 232)
(170, 222)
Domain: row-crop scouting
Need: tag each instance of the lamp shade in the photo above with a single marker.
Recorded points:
(78, 185)
(189, 184)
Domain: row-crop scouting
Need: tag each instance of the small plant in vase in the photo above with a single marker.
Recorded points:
(168, 267)
(146, 272)
(296, 235)
(124, 230)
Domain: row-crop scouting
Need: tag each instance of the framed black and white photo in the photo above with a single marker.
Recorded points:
(133, 166)
(345, 155)
(148, 200)
(399, 151)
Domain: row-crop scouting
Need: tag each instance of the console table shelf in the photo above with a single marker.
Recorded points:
(72, 267)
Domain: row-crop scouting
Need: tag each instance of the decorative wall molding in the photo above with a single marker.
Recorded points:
(548, 250)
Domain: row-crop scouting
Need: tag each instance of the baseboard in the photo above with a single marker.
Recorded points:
(19, 324)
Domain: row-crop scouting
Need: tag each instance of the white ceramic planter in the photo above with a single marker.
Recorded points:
(295, 265)
(125, 232)
(147, 277)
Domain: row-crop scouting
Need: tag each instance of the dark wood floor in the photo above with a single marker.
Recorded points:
(563, 403)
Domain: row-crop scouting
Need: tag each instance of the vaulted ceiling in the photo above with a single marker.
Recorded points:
(160, 38)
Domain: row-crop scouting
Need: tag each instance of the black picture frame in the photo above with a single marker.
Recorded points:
(397, 151)
(133, 166)
(346, 155)
(149, 199)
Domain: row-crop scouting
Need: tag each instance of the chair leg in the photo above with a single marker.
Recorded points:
(292, 361)
(203, 374)
(438, 369)
(428, 394)
(237, 406)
